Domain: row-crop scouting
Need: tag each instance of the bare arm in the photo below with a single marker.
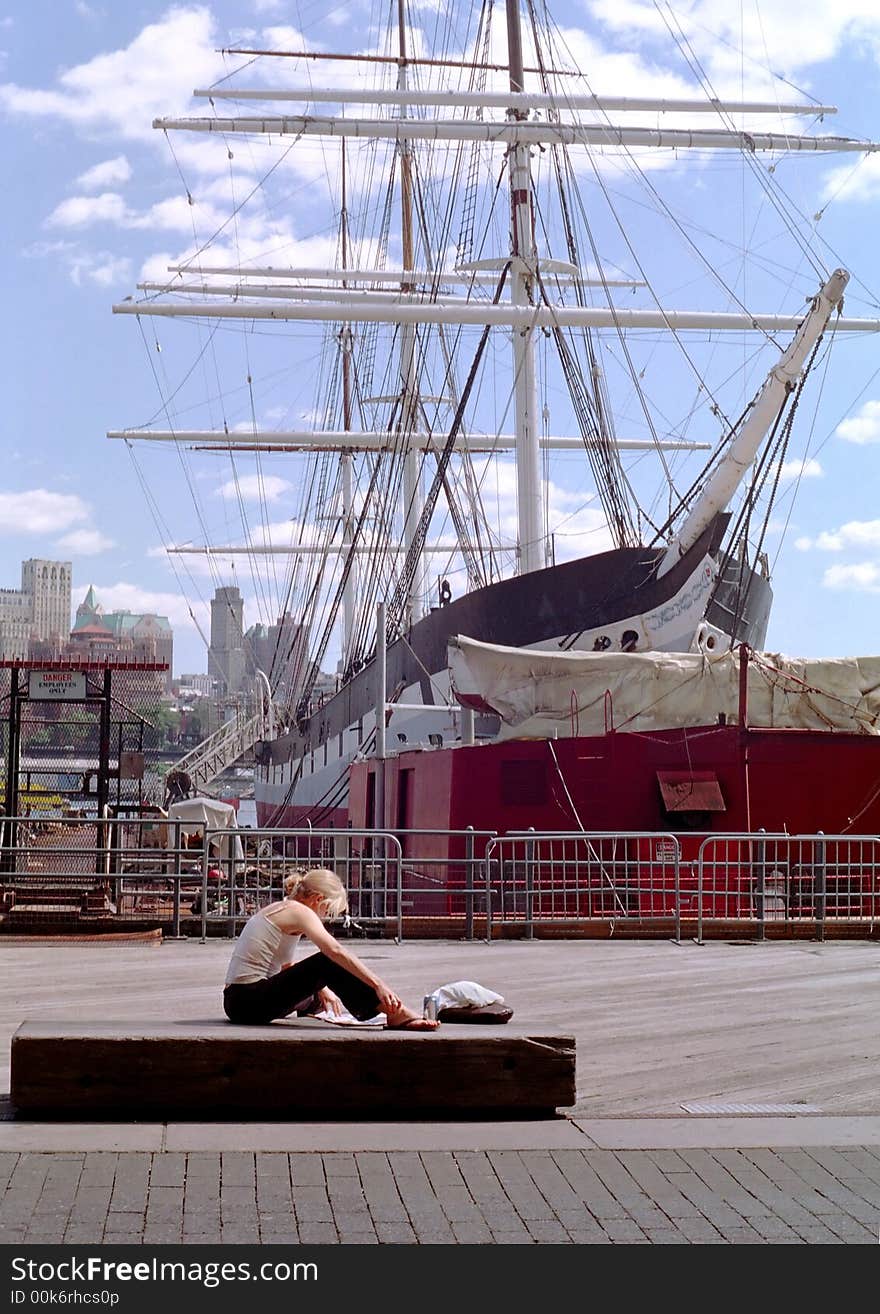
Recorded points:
(297, 919)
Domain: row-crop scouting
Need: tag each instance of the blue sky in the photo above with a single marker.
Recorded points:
(96, 200)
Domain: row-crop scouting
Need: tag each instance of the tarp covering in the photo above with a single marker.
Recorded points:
(209, 814)
(538, 694)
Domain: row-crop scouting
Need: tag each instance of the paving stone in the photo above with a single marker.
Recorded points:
(657, 1186)
(395, 1234)
(666, 1236)
(589, 1188)
(206, 1165)
(311, 1204)
(519, 1186)
(167, 1170)
(237, 1168)
(546, 1229)
(357, 1238)
(622, 1229)
(306, 1169)
(340, 1165)
(312, 1233)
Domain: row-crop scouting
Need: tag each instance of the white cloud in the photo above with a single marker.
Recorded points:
(268, 6)
(80, 211)
(102, 268)
(719, 30)
(38, 511)
(251, 488)
(863, 427)
(855, 533)
(860, 577)
(86, 542)
(86, 11)
(800, 469)
(859, 181)
(117, 170)
(123, 90)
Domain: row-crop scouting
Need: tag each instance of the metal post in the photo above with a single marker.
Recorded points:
(467, 726)
(819, 885)
(12, 766)
(677, 892)
(530, 886)
(205, 889)
(469, 884)
(381, 682)
(761, 851)
(103, 763)
(381, 696)
(175, 909)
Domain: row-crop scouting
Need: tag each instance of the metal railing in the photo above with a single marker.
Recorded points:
(563, 879)
(792, 880)
(55, 872)
(368, 862)
(142, 871)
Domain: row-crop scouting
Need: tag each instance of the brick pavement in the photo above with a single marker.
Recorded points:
(589, 1196)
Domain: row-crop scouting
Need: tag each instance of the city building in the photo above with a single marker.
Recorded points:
(38, 612)
(226, 661)
(48, 583)
(278, 651)
(203, 685)
(121, 636)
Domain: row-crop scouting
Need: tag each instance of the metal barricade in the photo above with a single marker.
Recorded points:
(68, 873)
(791, 881)
(564, 879)
(245, 869)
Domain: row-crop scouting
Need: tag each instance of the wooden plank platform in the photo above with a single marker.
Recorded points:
(294, 1067)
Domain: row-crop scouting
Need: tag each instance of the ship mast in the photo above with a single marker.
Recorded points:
(346, 458)
(530, 511)
(409, 397)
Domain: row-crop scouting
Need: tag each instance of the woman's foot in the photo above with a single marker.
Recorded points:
(406, 1020)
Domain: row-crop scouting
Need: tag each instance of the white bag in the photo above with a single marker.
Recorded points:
(464, 994)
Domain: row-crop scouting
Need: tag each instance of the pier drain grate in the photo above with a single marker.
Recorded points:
(750, 1108)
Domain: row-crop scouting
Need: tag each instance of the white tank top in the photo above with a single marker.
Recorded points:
(261, 950)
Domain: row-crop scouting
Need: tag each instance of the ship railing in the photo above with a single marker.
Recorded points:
(779, 884)
(571, 878)
(63, 873)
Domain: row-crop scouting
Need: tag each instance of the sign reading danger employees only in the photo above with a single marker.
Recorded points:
(52, 686)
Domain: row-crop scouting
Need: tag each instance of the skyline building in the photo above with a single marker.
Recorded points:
(226, 661)
(39, 611)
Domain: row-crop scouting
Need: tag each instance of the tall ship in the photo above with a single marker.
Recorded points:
(505, 435)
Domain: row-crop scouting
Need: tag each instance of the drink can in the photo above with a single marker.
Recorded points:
(429, 1007)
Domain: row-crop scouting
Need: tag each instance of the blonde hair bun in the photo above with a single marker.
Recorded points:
(320, 880)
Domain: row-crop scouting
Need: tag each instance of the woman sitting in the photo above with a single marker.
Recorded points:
(264, 983)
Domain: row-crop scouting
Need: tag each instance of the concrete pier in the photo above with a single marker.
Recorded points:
(726, 1093)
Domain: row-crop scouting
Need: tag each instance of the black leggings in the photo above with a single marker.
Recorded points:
(293, 990)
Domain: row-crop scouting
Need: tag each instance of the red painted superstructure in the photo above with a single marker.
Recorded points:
(799, 781)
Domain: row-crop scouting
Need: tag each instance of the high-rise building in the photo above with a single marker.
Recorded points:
(226, 662)
(48, 584)
(38, 612)
(278, 651)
